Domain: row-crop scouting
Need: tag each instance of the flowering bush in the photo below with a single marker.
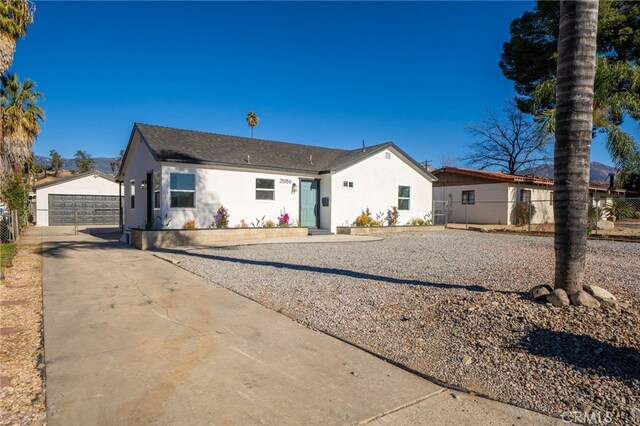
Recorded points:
(283, 220)
(270, 224)
(222, 218)
(190, 224)
(392, 216)
(364, 219)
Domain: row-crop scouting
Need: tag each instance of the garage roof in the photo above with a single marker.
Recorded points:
(74, 177)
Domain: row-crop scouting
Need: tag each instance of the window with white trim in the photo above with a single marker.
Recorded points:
(404, 197)
(265, 189)
(183, 190)
(525, 195)
(133, 193)
(468, 197)
(347, 184)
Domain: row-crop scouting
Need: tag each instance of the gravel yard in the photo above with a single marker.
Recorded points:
(453, 305)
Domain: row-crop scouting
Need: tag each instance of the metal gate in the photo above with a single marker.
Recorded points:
(83, 210)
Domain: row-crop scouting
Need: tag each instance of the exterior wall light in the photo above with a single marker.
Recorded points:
(294, 188)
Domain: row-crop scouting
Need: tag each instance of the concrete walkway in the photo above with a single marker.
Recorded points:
(132, 339)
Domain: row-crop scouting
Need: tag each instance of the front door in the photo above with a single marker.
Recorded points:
(309, 203)
(149, 187)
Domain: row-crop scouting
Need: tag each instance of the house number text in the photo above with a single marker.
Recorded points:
(288, 181)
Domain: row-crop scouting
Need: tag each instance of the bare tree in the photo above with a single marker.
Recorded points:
(509, 143)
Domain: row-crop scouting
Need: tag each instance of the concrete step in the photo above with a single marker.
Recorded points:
(320, 232)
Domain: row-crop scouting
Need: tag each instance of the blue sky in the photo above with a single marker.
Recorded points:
(323, 73)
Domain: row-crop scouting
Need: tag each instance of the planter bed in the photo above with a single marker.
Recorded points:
(149, 240)
(367, 230)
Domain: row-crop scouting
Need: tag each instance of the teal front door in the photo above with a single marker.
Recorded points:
(309, 203)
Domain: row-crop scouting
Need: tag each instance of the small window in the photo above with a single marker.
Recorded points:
(347, 184)
(387, 155)
(525, 195)
(404, 197)
(156, 191)
(551, 198)
(265, 189)
(183, 190)
(468, 197)
(133, 194)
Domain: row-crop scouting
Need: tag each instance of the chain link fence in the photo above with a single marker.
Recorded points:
(9, 227)
(605, 214)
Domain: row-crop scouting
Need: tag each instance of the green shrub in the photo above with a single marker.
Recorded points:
(618, 208)
(521, 213)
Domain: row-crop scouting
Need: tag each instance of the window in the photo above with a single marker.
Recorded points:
(347, 184)
(183, 190)
(265, 189)
(551, 198)
(133, 194)
(156, 191)
(468, 197)
(404, 197)
(387, 156)
(525, 195)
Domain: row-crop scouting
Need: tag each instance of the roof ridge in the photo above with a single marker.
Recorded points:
(243, 137)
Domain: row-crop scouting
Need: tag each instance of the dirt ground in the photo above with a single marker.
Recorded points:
(22, 391)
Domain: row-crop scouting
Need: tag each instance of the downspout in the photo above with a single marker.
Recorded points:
(120, 206)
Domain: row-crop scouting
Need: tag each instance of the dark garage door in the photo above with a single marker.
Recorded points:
(90, 209)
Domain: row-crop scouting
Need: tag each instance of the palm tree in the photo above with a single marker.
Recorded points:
(616, 95)
(573, 131)
(252, 121)
(15, 16)
(21, 119)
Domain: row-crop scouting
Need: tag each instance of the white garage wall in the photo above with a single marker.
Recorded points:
(86, 185)
(375, 185)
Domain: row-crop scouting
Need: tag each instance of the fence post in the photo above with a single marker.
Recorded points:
(597, 215)
(15, 225)
(466, 216)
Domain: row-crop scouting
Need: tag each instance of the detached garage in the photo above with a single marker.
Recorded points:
(90, 198)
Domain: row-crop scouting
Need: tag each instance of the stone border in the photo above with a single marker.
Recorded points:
(149, 240)
(368, 230)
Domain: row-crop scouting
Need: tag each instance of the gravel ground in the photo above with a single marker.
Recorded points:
(453, 306)
(22, 392)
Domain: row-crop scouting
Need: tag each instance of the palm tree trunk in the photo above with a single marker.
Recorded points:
(574, 115)
(7, 49)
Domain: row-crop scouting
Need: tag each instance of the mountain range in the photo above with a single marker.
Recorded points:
(101, 164)
(598, 173)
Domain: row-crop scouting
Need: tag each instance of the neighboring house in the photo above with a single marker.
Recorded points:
(171, 176)
(90, 198)
(478, 196)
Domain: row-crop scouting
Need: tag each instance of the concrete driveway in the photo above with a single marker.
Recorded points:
(132, 339)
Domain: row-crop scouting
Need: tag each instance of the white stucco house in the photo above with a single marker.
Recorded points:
(171, 176)
(484, 197)
(91, 198)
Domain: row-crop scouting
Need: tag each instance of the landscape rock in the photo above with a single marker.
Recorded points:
(540, 291)
(582, 298)
(558, 298)
(605, 224)
(599, 293)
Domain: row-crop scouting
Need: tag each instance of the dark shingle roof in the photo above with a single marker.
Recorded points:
(189, 146)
